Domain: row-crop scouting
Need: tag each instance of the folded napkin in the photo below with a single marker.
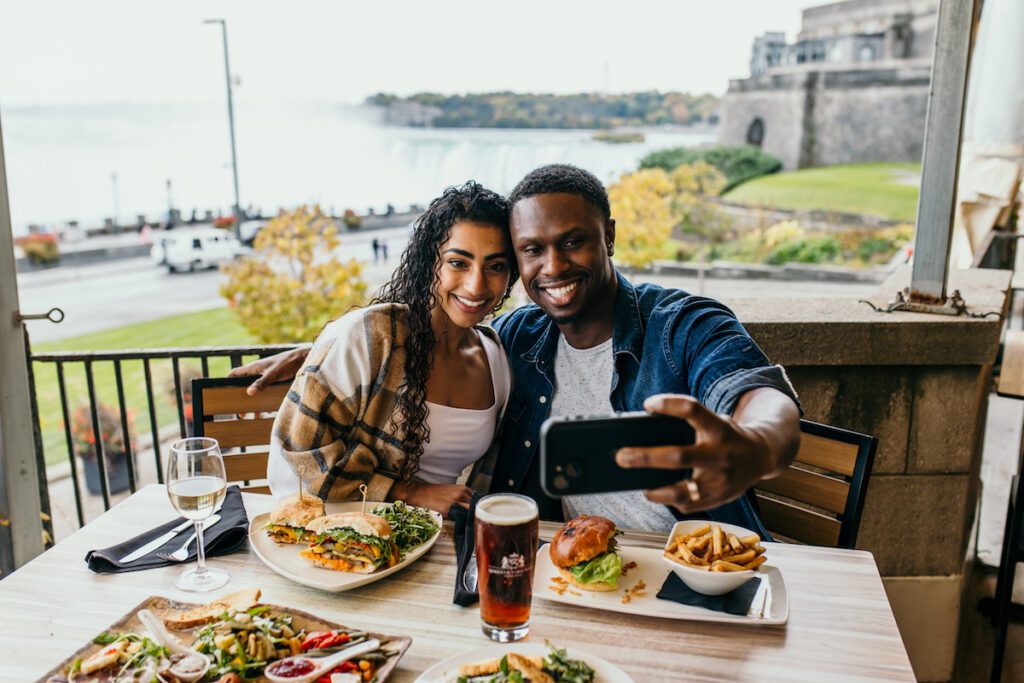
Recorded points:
(226, 536)
(735, 602)
(465, 540)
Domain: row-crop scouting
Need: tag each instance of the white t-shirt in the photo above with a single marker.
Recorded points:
(583, 384)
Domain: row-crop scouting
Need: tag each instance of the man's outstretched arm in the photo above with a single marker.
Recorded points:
(277, 368)
(731, 454)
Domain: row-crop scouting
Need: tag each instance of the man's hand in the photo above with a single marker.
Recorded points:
(277, 368)
(729, 455)
(439, 497)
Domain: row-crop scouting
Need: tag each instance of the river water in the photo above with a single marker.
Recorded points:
(60, 160)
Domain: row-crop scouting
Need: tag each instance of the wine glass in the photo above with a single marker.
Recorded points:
(196, 485)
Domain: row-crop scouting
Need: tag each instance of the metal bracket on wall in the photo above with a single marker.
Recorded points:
(906, 300)
(54, 315)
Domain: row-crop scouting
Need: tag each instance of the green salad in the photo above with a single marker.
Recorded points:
(410, 526)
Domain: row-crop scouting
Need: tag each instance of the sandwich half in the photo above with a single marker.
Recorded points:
(289, 518)
(351, 542)
(585, 554)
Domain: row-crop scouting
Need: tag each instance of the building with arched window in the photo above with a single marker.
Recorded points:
(853, 87)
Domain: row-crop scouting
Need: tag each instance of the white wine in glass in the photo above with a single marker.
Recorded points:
(196, 485)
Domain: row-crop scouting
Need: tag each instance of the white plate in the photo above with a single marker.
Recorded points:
(653, 572)
(284, 559)
(447, 671)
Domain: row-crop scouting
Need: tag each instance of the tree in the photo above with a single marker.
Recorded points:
(294, 283)
(694, 208)
(642, 207)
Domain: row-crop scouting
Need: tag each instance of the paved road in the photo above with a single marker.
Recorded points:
(100, 296)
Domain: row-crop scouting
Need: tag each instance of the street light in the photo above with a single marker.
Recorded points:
(231, 121)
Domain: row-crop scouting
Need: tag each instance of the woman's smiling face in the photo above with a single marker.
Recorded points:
(473, 272)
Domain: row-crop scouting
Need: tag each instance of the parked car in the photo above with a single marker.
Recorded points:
(248, 230)
(194, 249)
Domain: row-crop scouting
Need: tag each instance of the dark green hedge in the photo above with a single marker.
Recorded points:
(737, 164)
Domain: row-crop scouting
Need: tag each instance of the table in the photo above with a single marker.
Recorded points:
(840, 625)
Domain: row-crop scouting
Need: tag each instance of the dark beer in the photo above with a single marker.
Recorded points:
(506, 548)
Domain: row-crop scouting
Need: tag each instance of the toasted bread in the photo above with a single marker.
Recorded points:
(592, 586)
(204, 614)
(492, 666)
(530, 669)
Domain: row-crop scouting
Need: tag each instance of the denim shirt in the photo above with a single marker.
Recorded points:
(664, 341)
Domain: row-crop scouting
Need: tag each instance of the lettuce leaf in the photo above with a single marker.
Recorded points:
(604, 567)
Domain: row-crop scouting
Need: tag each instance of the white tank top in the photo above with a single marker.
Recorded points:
(460, 436)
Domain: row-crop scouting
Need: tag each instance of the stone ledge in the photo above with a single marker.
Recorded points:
(847, 332)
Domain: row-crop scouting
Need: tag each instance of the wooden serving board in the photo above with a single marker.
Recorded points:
(164, 607)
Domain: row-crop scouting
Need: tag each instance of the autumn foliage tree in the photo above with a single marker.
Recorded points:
(641, 204)
(294, 282)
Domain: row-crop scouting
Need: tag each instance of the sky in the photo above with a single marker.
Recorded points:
(101, 51)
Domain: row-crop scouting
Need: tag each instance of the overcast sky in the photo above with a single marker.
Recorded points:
(75, 52)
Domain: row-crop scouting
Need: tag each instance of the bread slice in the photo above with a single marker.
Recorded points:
(204, 614)
(493, 666)
(529, 668)
(592, 586)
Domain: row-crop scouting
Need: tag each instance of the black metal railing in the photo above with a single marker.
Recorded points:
(103, 374)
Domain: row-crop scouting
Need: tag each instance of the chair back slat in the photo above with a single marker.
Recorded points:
(820, 507)
(828, 454)
(798, 523)
(226, 400)
(225, 412)
(1011, 372)
(809, 487)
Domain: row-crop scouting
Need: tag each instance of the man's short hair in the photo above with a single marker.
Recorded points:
(563, 178)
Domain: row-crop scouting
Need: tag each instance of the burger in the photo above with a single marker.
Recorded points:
(584, 552)
(351, 542)
(289, 519)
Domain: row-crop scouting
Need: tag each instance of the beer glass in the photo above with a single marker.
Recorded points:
(506, 549)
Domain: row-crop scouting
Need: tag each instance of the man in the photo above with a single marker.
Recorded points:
(594, 343)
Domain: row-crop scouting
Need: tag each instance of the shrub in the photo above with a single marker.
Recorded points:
(738, 164)
(294, 283)
(83, 439)
(224, 222)
(40, 248)
(811, 249)
(641, 203)
(351, 219)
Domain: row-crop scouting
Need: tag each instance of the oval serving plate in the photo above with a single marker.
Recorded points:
(284, 559)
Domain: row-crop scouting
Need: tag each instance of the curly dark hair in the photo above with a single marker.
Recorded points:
(414, 283)
(563, 178)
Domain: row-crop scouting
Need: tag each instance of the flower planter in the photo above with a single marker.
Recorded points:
(117, 474)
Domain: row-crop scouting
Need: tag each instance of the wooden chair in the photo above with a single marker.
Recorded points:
(1011, 385)
(819, 499)
(241, 423)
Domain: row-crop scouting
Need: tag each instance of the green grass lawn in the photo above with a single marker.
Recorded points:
(872, 189)
(215, 327)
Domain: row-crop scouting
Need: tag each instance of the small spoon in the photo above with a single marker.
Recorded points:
(190, 669)
(321, 664)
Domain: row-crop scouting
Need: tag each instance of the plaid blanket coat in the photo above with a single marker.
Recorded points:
(335, 426)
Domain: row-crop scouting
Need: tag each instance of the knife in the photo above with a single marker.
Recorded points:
(156, 543)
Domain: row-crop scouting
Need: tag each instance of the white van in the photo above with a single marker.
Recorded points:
(194, 248)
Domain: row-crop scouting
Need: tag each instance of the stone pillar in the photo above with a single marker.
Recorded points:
(920, 384)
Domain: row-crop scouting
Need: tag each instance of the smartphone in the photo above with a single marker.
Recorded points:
(577, 454)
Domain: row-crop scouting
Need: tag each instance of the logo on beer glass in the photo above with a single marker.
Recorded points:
(512, 566)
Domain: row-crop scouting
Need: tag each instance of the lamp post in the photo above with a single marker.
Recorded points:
(231, 121)
(117, 209)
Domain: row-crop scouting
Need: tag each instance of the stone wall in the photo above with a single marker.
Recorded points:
(831, 116)
(920, 384)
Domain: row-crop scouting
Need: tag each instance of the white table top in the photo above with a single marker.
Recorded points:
(840, 625)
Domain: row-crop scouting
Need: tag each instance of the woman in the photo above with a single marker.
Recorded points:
(407, 393)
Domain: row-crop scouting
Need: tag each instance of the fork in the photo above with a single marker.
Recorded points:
(181, 554)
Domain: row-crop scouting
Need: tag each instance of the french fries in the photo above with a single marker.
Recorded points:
(708, 548)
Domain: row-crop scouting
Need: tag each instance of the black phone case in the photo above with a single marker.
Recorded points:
(577, 454)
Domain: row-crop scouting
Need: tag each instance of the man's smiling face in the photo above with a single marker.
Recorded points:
(563, 246)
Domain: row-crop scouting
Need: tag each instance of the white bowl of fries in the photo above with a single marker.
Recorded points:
(711, 557)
